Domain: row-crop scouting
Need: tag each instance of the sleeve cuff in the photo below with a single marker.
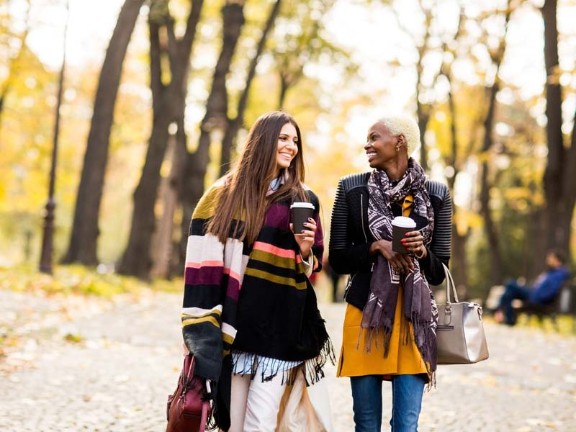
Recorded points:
(308, 264)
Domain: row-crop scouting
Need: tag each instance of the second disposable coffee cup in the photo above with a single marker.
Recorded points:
(400, 226)
(299, 214)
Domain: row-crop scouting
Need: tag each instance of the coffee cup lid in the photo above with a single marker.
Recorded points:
(302, 204)
(404, 222)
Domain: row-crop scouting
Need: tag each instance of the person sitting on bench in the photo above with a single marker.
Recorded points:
(542, 292)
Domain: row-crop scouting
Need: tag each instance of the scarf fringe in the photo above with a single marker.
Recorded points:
(270, 368)
(425, 339)
(429, 347)
(314, 368)
(431, 381)
(371, 335)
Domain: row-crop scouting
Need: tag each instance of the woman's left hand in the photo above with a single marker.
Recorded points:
(305, 238)
(414, 242)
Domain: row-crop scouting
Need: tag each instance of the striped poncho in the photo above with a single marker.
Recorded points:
(255, 300)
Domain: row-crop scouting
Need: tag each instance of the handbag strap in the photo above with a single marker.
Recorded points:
(188, 372)
(188, 367)
(450, 286)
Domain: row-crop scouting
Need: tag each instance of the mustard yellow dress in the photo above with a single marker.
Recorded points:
(403, 356)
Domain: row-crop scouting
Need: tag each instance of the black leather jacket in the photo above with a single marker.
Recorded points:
(350, 237)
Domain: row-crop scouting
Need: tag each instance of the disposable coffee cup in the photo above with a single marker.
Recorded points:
(400, 226)
(299, 214)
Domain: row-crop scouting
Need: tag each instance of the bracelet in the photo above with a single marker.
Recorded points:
(421, 255)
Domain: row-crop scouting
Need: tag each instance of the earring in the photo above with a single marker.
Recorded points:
(397, 148)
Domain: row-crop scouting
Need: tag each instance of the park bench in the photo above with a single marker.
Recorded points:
(540, 311)
(563, 304)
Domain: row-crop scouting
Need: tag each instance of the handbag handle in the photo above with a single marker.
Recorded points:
(450, 286)
(188, 367)
(188, 372)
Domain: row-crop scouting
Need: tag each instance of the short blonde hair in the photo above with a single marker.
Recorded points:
(403, 125)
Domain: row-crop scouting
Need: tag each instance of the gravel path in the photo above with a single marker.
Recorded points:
(71, 364)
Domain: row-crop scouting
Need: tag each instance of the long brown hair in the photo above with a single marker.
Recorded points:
(244, 196)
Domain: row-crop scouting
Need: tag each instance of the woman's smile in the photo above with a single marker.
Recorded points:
(371, 154)
(287, 146)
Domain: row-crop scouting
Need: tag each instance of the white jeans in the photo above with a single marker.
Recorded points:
(255, 404)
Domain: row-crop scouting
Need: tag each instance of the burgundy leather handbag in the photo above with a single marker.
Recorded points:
(189, 406)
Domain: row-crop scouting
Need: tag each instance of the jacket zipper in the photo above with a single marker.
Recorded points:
(363, 227)
(362, 217)
(349, 284)
(351, 279)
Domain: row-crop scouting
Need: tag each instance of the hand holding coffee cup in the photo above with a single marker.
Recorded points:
(400, 226)
(299, 214)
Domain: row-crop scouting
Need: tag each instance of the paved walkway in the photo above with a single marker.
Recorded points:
(80, 365)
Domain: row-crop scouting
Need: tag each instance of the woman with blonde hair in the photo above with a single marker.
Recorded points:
(391, 316)
(250, 314)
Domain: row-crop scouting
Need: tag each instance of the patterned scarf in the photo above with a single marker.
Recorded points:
(418, 307)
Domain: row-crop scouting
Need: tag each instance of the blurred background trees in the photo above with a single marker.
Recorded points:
(156, 114)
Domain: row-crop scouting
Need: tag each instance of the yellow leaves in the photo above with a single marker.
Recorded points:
(522, 198)
(78, 280)
(73, 338)
(554, 75)
(466, 219)
(517, 193)
(484, 157)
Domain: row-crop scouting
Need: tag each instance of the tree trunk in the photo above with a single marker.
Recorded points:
(229, 140)
(170, 187)
(459, 263)
(533, 244)
(214, 121)
(282, 93)
(560, 173)
(193, 187)
(490, 225)
(83, 239)
(168, 107)
(485, 185)
(423, 110)
(423, 113)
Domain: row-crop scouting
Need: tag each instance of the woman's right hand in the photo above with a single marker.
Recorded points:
(402, 263)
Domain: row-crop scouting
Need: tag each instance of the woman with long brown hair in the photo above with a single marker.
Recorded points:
(250, 314)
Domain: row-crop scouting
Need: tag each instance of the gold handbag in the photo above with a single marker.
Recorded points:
(460, 332)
